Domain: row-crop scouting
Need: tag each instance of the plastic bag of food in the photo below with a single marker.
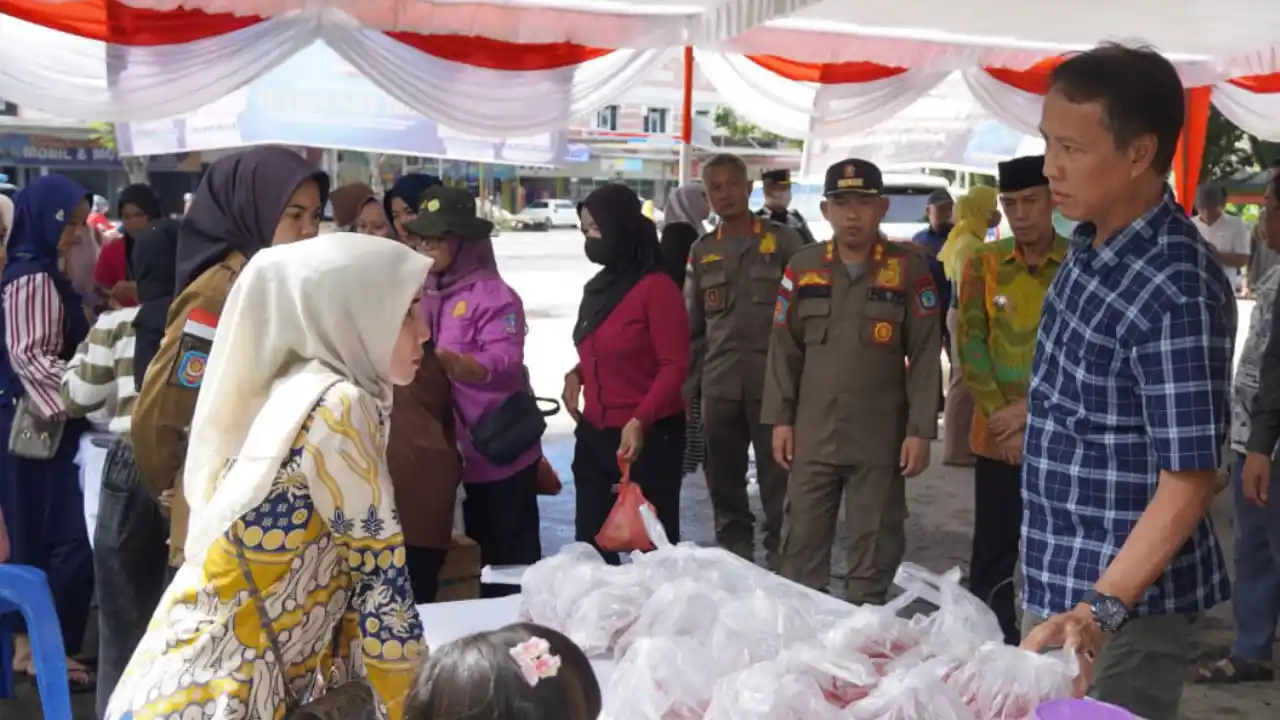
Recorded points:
(661, 678)
(682, 608)
(877, 633)
(624, 529)
(758, 627)
(711, 567)
(769, 691)
(962, 624)
(1002, 682)
(604, 613)
(552, 587)
(843, 677)
(914, 694)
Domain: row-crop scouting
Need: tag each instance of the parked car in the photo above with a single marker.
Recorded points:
(548, 214)
(908, 197)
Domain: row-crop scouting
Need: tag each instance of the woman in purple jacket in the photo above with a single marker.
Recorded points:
(479, 326)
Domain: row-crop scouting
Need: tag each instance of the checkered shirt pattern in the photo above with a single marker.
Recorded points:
(1131, 375)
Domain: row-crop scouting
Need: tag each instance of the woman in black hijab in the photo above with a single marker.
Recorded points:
(402, 202)
(154, 258)
(246, 202)
(632, 337)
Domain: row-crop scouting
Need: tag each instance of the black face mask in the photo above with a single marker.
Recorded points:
(601, 251)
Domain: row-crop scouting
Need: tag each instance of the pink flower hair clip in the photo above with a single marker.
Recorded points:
(535, 660)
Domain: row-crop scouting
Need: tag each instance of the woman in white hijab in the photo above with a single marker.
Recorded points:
(293, 517)
(6, 224)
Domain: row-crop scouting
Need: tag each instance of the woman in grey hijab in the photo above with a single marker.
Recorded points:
(686, 209)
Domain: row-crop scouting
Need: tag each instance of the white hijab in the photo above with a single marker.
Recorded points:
(6, 219)
(300, 318)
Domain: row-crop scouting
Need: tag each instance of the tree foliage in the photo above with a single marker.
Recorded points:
(1228, 150)
(739, 129)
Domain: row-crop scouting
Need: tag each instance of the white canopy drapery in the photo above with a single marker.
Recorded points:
(78, 77)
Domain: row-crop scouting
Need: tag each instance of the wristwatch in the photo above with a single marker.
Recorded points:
(1109, 612)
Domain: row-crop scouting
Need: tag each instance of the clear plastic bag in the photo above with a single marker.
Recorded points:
(661, 678)
(710, 567)
(962, 624)
(606, 612)
(553, 586)
(1002, 682)
(844, 678)
(913, 694)
(876, 633)
(681, 608)
(759, 627)
(769, 691)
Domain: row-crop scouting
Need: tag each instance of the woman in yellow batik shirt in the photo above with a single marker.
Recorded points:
(287, 481)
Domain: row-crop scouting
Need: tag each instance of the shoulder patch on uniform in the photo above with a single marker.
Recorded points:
(780, 310)
(926, 295)
(189, 363)
(201, 324)
(511, 324)
(788, 283)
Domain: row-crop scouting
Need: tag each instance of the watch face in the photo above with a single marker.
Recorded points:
(1110, 613)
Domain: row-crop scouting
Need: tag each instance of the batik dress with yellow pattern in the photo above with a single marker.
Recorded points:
(324, 548)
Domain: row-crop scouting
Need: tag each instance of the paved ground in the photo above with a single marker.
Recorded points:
(548, 271)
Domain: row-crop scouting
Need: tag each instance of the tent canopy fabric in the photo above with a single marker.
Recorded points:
(832, 66)
(1238, 35)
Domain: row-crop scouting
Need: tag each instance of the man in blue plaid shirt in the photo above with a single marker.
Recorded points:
(1128, 397)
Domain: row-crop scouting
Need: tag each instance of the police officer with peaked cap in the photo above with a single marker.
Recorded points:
(850, 421)
(777, 203)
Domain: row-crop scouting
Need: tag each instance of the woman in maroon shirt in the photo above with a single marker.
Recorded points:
(633, 353)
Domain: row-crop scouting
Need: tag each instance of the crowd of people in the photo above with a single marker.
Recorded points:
(289, 416)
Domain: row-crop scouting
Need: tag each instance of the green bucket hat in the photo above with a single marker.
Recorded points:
(444, 209)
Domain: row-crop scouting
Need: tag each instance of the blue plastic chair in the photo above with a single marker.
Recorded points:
(25, 589)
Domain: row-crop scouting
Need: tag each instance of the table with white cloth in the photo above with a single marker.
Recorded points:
(446, 622)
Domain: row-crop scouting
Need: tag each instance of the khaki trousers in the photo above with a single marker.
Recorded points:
(730, 427)
(875, 511)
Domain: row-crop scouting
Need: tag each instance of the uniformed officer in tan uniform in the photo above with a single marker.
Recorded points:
(850, 420)
(777, 203)
(167, 402)
(730, 286)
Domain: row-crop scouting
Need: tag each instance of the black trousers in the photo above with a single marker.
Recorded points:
(131, 566)
(658, 472)
(997, 529)
(502, 517)
(424, 565)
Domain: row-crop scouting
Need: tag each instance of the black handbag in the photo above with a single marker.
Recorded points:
(504, 433)
(352, 700)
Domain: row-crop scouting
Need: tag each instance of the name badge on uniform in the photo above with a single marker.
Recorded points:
(885, 295)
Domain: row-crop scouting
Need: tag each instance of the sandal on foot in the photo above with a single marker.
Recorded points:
(1232, 671)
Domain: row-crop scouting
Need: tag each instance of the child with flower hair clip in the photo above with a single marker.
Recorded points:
(520, 672)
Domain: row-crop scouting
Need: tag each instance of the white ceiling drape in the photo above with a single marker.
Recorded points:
(75, 77)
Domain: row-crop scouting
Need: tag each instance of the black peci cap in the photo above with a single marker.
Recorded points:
(777, 177)
(853, 176)
(1022, 173)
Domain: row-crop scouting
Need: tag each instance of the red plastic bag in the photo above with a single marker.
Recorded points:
(624, 529)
